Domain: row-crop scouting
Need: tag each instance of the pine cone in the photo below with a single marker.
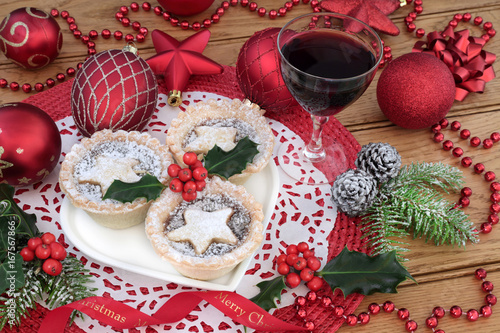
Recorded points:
(353, 192)
(381, 160)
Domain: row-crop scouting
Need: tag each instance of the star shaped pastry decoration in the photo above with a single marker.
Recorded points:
(3, 164)
(177, 61)
(204, 228)
(107, 169)
(207, 137)
(372, 12)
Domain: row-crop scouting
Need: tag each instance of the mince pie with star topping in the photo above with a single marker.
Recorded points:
(222, 123)
(92, 165)
(207, 237)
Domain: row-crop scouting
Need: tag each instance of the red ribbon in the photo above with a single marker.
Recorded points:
(122, 316)
(464, 55)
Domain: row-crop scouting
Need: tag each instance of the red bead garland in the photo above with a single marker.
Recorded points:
(302, 303)
(479, 168)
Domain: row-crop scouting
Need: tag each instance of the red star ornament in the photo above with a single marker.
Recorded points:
(177, 61)
(372, 12)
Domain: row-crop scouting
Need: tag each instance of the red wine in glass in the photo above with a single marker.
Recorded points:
(326, 54)
(327, 62)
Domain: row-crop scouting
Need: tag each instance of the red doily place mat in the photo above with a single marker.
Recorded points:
(56, 102)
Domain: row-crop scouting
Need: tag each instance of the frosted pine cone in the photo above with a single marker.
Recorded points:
(353, 192)
(381, 160)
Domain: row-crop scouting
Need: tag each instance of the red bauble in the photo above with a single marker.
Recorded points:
(185, 7)
(30, 38)
(258, 72)
(114, 90)
(416, 90)
(30, 144)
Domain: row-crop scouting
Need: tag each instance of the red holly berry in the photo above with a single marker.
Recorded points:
(200, 185)
(291, 259)
(189, 158)
(292, 280)
(48, 238)
(189, 196)
(200, 173)
(283, 268)
(300, 264)
(315, 284)
(281, 258)
(57, 251)
(42, 251)
(52, 267)
(302, 246)
(197, 164)
(189, 186)
(292, 249)
(173, 170)
(176, 185)
(27, 254)
(306, 274)
(313, 263)
(34, 242)
(308, 253)
(185, 174)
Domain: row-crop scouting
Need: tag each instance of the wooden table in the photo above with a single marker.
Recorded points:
(444, 274)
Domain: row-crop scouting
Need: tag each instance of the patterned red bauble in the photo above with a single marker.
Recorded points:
(258, 72)
(30, 38)
(416, 90)
(30, 144)
(114, 90)
(185, 7)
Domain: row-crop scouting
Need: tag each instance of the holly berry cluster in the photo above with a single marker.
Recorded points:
(298, 264)
(188, 180)
(47, 250)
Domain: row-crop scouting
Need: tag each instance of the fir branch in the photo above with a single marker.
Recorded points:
(21, 300)
(69, 286)
(412, 204)
(422, 175)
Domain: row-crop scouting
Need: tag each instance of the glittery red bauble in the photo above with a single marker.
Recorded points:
(185, 7)
(30, 144)
(114, 90)
(416, 90)
(30, 38)
(258, 72)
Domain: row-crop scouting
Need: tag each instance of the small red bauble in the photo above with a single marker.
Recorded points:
(258, 72)
(30, 144)
(114, 90)
(30, 38)
(185, 7)
(418, 108)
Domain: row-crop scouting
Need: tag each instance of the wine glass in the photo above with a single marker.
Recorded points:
(327, 62)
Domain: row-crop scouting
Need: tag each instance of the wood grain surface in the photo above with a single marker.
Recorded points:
(444, 274)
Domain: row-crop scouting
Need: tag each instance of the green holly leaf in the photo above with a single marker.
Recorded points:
(356, 272)
(225, 164)
(148, 187)
(269, 291)
(27, 222)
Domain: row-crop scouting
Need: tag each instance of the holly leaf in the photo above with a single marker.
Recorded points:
(148, 187)
(225, 164)
(269, 291)
(27, 222)
(356, 272)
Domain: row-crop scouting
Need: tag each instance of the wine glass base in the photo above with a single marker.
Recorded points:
(292, 160)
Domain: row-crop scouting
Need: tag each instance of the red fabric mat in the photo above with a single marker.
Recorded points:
(56, 102)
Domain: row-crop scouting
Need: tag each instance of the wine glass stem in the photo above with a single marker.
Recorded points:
(314, 151)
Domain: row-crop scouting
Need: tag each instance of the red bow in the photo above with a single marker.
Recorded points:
(464, 55)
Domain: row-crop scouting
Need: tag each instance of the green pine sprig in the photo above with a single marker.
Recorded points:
(71, 285)
(412, 204)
